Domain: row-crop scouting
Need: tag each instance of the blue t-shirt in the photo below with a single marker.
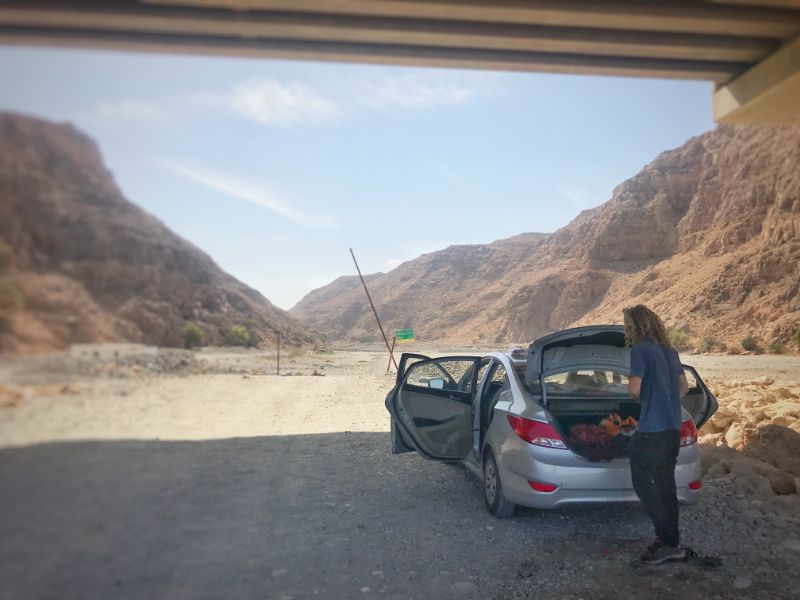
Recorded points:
(660, 369)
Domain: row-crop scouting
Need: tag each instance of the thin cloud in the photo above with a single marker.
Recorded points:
(254, 194)
(447, 173)
(392, 263)
(130, 110)
(415, 91)
(575, 196)
(287, 105)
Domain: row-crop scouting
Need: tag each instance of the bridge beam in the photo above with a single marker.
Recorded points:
(768, 92)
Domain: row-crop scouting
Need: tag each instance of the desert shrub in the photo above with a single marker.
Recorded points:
(709, 344)
(297, 352)
(192, 335)
(796, 339)
(678, 339)
(750, 343)
(10, 297)
(239, 336)
(776, 348)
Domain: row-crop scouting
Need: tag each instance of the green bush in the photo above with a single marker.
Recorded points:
(750, 343)
(192, 335)
(796, 339)
(678, 339)
(776, 348)
(709, 344)
(239, 336)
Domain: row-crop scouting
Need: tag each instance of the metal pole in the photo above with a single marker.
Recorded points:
(391, 354)
(278, 368)
(374, 312)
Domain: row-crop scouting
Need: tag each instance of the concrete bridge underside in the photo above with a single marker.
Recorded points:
(749, 48)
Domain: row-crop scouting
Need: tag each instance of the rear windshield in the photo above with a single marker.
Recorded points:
(589, 382)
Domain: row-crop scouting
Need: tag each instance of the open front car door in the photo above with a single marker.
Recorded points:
(431, 407)
(699, 401)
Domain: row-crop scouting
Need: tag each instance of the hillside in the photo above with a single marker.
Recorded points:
(80, 263)
(708, 234)
(426, 293)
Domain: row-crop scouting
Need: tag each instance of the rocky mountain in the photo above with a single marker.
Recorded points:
(80, 263)
(707, 234)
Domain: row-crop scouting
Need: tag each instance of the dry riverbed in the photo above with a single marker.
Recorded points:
(205, 475)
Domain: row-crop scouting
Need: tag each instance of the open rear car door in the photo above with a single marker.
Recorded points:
(431, 406)
(699, 401)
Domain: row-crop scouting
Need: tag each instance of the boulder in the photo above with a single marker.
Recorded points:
(777, 446)
(783, 392)
(759, 479)
(734, 437)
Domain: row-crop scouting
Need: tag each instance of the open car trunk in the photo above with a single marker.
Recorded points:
(579, 422)
(581, 376)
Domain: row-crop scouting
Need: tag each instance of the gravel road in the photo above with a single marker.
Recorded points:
(313, 506)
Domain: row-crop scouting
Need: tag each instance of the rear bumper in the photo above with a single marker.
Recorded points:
(579, 480)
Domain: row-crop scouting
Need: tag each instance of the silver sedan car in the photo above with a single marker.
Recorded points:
(519, 419)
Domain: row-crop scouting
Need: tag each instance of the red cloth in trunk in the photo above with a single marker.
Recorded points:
(586, 433)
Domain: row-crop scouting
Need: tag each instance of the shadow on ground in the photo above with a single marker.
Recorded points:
(328, 515)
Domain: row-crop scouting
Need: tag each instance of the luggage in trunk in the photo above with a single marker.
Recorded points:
(580, 422)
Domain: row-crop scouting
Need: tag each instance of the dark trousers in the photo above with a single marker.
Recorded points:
(653, 457)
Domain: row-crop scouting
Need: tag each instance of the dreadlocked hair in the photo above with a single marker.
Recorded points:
(641, 323)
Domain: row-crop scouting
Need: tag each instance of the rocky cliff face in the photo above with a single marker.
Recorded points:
(707, 234)
(80, 263)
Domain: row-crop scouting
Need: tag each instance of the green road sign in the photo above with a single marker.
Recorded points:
(404, 335)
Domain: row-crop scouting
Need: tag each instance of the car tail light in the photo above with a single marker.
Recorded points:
(536, 432)
(542, 487)
(695, 485)
(688, 433)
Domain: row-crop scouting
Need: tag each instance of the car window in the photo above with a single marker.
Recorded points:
(694, 387)
(499, 375)
(454, 373)
(413, 359)
(482, 371)
(587, 381)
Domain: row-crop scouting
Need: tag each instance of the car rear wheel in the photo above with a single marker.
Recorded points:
(496, 502)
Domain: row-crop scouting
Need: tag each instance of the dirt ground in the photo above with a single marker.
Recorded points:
(206, 475)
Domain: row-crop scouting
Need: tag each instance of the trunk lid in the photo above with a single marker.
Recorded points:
(600, 345)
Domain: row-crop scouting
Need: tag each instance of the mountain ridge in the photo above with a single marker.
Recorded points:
(80, 263)
(707, 233)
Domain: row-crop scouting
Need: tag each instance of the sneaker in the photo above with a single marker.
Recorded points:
(658, 552)
(651, 549)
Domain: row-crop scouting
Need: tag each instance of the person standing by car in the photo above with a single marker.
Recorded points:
(657, 379)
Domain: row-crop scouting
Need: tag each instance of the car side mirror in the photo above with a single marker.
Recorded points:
(436, 384)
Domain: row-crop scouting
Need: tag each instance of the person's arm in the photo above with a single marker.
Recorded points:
(684, 385)
(635, 386)
(637, 372)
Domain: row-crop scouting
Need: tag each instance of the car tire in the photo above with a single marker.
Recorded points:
(496, 502)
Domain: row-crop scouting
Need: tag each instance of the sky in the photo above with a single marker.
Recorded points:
(277, 168)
